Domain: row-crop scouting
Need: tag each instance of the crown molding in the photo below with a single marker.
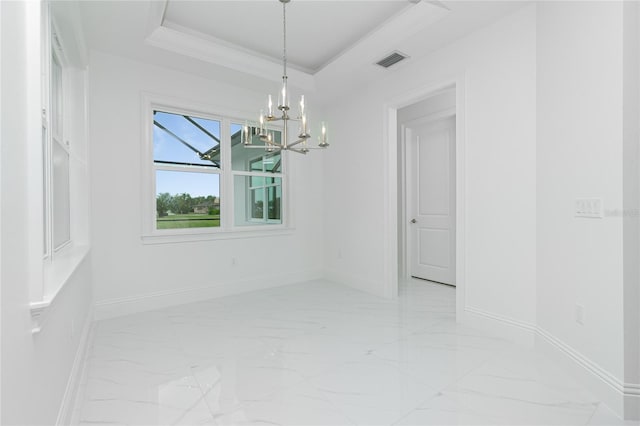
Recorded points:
(177, 41)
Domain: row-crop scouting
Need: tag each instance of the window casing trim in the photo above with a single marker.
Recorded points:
(151, 102)
(51, 264)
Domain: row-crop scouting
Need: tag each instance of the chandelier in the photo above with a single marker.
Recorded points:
(298, 145)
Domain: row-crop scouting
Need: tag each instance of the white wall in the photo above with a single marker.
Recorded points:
(579, 152)
(132, 276)
(499, 64)
(588, 147)
(631, 202)
(35, 367)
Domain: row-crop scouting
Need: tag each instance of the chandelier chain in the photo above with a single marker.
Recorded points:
(284, 36)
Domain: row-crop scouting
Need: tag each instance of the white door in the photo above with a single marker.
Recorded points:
(432, 207)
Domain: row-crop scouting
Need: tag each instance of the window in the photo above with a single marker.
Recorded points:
(186, 158)
(202, 180)
(57, 199)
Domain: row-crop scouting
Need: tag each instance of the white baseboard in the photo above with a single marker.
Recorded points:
(65, 414)
(112, 308)
(609, 389)
(632, 401)
(515, 330)
(622, 398)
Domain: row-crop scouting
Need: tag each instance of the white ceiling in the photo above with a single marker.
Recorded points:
(241, 40)
(317, 31)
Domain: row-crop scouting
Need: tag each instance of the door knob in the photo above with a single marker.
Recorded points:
(413, 221)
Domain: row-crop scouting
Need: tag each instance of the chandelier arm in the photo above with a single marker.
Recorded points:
(317, 147)
(299, 151)
(273, 144)
(299, 141)
(265, 147)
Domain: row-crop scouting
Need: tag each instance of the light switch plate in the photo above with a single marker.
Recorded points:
(589, 207)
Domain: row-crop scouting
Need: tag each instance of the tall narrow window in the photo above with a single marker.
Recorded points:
(57, 199)
(187, 162)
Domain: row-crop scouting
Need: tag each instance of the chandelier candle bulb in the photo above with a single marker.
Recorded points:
(323, 136)
(270, 105)
(302, 106)
(284, 101)
(245, 134)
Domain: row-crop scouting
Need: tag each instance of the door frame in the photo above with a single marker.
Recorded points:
(391, 177)
(406, 201)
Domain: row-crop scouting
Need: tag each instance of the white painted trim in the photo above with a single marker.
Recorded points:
(622, 398)
(250, 232)
(1, 117)
(631, 404)
(390, 188)
(68, 23)
(461, 195)
(117, 307)
(581, 360)
(57, 275)
(390, 204)
(527, 326)
(233, 57)
(407, 206)
(431, 118)
(632, 389)
(157, 10)
(503, 326)
(69, 399)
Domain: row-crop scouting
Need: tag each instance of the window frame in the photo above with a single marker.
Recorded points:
(54, 135)
(228, 229)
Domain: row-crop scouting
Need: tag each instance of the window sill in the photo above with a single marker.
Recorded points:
(56, 275)
(214, 236)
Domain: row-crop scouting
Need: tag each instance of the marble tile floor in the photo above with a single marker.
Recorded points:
(321, 354)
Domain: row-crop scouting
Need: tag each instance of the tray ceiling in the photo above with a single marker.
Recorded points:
(317, 31)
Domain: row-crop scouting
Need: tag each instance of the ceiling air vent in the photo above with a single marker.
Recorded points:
(391, 59)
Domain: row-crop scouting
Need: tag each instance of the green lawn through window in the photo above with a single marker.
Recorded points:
(191, 220)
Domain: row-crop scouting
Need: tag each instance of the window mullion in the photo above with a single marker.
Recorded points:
(226, 185)
(192, 169)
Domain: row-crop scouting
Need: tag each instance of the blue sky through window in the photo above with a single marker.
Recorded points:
(168, 148)
(194, 184)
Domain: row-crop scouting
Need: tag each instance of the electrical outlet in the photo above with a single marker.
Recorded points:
(580, 314)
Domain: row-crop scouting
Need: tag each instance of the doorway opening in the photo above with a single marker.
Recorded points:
(426, 184)
(426, 136)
